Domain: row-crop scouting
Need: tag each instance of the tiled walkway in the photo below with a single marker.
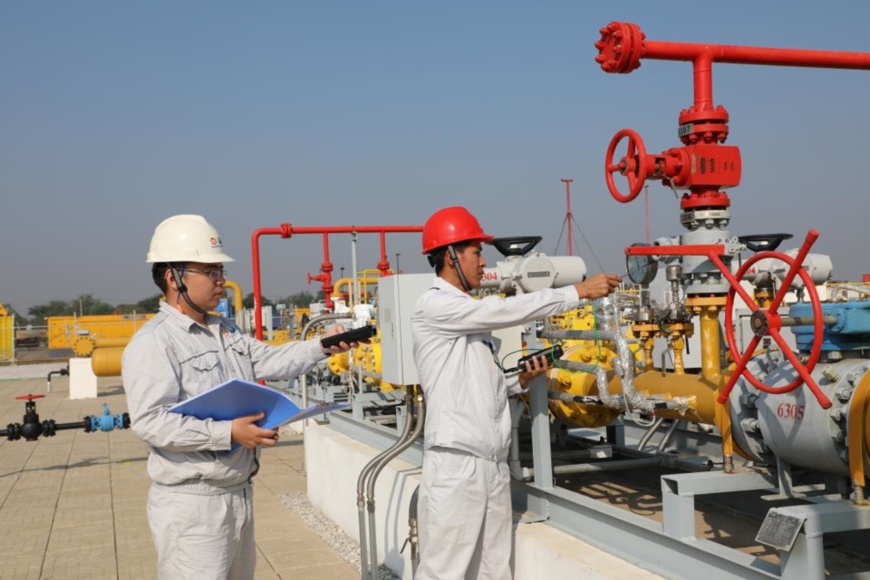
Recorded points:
(72, 506)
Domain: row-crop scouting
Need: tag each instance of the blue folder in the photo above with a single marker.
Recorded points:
(237, 398)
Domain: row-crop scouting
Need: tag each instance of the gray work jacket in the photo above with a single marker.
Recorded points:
(466, 392)
(171, 359)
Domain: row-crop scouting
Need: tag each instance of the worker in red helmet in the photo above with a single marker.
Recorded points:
(464, 504)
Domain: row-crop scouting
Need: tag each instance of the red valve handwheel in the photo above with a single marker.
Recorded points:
(768, 323)
(633, 165)
(29, 397)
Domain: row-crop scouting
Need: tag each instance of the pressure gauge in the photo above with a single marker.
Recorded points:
(641, 269)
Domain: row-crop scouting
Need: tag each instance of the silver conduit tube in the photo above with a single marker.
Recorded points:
(363, 476)
(413, 534)
(640, 459)
(668, 461)
(370, 486)
(579, 335)
(303, 382)
(667, 437)
(649, 433)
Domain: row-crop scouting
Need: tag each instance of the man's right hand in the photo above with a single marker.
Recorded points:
(246, 433)
(598, 286)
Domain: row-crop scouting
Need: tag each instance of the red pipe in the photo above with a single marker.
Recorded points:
(623, 45)
(287, 230)
(384, 264)
(703, 127)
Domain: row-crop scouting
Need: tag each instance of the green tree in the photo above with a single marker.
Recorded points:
(40, 312)
(248, 301)
(84, 305)
(301, 299)
(149, 305)
(87, 305)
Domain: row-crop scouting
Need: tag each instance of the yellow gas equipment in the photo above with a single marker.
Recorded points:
(366, 362)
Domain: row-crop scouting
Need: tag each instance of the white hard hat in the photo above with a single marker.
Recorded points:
(186, 238)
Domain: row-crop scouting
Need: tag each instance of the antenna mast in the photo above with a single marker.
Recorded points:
(568, 218)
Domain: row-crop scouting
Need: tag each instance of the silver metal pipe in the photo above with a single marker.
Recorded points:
(579, 335)
(361, 481)
(608, 465)
(649, 433)
(413, 534)
(648, 461)
(667, 437)
(366, 373)
(303, 382)
(370, 486)
(668, 461)
(356, 299)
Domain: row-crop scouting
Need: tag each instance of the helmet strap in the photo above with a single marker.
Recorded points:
(455, 260)
(182, 288)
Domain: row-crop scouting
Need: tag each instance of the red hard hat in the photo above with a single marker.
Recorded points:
(451, 225)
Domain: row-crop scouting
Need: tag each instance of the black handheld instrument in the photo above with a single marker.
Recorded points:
(355, 335)
(550, 353)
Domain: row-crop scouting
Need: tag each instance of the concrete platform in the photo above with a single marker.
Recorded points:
(72, 506)
(334, 462)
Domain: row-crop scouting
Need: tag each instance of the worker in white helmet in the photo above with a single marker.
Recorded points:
(200, 502)
(464, 504)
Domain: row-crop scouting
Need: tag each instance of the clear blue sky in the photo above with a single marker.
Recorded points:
(115, 115)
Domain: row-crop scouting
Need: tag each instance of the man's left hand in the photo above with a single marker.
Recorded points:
(534, 367)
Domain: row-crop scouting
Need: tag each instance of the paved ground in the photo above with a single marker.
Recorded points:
(72, 506)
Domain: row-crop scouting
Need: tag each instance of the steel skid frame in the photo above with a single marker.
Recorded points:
(670, 548)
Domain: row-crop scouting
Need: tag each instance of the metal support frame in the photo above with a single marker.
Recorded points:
(670, 548)
(807, 558)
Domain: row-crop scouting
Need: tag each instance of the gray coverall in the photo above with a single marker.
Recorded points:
(465, 504)
(200, 503)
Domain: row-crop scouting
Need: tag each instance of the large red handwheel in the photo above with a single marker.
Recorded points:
(29, 397)
(767, 322)
(633, 165)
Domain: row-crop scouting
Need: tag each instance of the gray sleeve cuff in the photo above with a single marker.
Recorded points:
(222, 435)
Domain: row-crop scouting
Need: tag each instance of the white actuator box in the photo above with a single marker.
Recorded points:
(397, 296)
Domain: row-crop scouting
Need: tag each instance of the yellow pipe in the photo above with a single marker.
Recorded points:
(696, 390)
(367, 277)
(85, 346)
(711, 366)
(648, 345)
(678, 344)
(237, 295)
(336, 293)
(106, 362)
(859, 434)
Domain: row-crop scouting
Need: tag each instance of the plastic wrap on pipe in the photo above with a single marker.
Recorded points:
(609, 317)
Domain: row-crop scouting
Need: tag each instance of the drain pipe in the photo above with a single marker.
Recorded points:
(649, 433)
(370, 487)
(667, 437)
(364, 474)
(413, 534)
(62, 372)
